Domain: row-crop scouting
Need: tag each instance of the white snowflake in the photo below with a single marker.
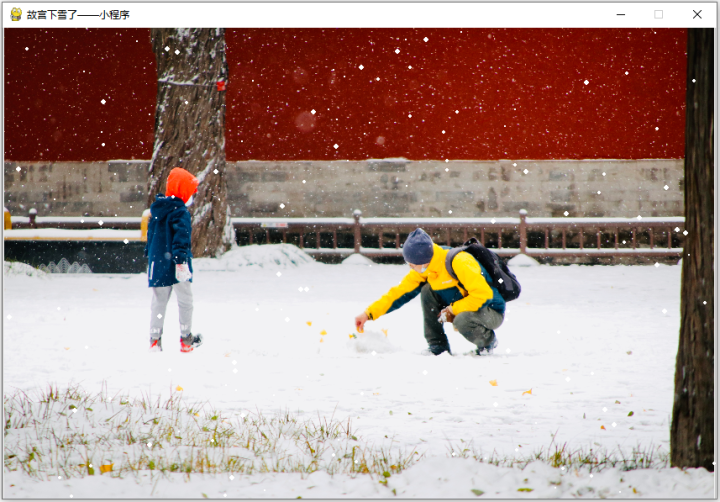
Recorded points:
(492, 221)
(447, 169)
(279, 274)
(167, 48)
(409, 115)
(18, 168)
(426, 39)
(287, 319)
(566, 213)
(526, 171)
(159, 316)
(361, 67)
(450, 211)
(409, 67)
(177, 51)
(666, 187)
(397, 51)
(100, 222)
(313, 111)
(216, 171)
(587, 82)
(103, 101)
(282, 206)
(126, 241)
(639, 217)
(336, 146)
(685, 232)
(599, 192)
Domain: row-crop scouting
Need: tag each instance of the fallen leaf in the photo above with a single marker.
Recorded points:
(634, 490)
(360, 330)
(323, 332)
(493, 383)
(67, 348)
(476, 491)
(321, 340)
(178, 388)
(525, 489)
(631, 414)
(384, 331)
(629, 352)
(376, 393)
(352, 336)
(617, 402)
(227, 355)
(603, 427)
(527, 392)
(106, 468)
(309, 323)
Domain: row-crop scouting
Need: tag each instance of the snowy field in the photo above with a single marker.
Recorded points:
(585, 362)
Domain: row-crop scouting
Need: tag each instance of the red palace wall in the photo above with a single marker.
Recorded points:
(496, 94)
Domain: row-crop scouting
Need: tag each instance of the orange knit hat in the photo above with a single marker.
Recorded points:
(181, 183)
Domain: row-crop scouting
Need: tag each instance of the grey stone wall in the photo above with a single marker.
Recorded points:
(611, 188)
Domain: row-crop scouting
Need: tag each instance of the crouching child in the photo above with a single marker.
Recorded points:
(169, 255)
(469, 302)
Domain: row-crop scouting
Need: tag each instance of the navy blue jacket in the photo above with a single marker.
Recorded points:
(168, 240)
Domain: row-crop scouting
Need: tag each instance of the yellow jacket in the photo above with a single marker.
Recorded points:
(469, 295)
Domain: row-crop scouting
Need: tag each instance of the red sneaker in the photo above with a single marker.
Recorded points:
(193, 341)
(155, 345)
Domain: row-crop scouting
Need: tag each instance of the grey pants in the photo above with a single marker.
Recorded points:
(160, 298)
(477, 327)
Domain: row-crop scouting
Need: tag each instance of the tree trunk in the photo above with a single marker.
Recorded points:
(190, 128)
(692, 437)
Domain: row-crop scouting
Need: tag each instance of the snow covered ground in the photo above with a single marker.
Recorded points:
(585, 360)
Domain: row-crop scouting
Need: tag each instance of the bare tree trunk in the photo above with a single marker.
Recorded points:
(190, 128)
(692, 436)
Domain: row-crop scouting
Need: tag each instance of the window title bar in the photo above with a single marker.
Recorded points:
(359, 15)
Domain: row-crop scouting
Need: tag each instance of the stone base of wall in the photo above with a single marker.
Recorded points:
(390, 187)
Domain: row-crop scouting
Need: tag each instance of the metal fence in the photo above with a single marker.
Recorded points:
(537, 237)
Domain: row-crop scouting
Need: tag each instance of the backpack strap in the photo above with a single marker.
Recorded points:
(449, 259)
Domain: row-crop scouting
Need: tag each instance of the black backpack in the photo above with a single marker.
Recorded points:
(502, 279)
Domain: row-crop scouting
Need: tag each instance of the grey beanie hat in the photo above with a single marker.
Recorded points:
(418, 248)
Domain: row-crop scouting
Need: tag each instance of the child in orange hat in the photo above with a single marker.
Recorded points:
(169, 256)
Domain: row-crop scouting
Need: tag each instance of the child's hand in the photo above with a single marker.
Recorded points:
(182, 272)
(360, 322)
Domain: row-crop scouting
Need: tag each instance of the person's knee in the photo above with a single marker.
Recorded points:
(463, 322)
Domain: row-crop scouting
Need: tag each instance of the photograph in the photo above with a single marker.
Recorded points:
(395, 257)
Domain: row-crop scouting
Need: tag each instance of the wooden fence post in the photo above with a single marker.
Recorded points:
(358, 236)
(523, 231)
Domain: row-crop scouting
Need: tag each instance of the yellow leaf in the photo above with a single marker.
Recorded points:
(352, 336)
(603, 427)
(67, 348)
(106, 468)
(493, 383)
(527, 392)
(178, 388)
(361, 330)
(309, 323)
(376, 393)
(384, 331)
(321, 340)
(323, 332)
(634, 490)
(197, 415)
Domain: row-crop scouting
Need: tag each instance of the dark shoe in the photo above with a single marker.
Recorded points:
(436, 350)
(155, 345)
(487, 350)
(190, 342)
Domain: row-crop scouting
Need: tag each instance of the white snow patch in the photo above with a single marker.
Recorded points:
(258, 255)
(371, 341)
(357, 259)
(19, 268)
(522, 260)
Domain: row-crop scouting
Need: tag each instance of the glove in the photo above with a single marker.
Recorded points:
(182, 272)
(446, 315)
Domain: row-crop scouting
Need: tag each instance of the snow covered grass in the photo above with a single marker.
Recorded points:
(71, 433)
(576, 401)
